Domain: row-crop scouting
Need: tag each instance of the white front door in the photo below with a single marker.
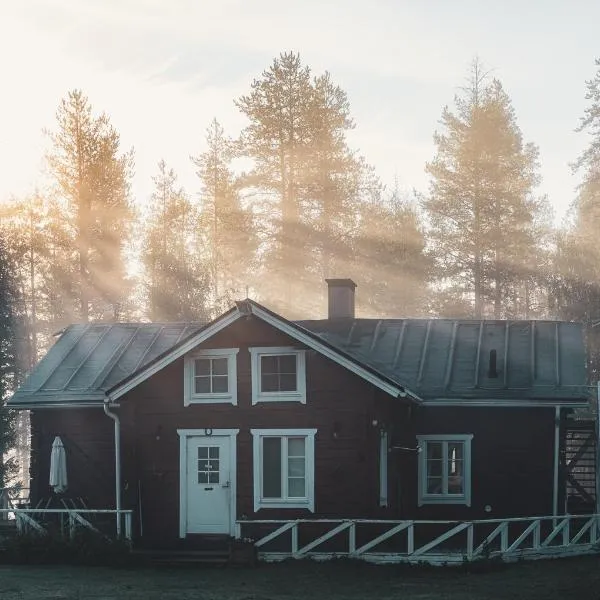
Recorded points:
(209, 487)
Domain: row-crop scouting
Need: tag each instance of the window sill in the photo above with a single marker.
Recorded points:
(280, 397)
(211, 399)
(444, 500)
(306, 504)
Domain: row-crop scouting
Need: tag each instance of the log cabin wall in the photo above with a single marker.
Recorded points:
(340, 405)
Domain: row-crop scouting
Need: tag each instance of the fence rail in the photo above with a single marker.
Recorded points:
(435, 542)
(40, 520)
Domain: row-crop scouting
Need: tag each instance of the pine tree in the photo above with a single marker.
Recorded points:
(481, 207)
(575, 290)
(9, 368)
(92, 178)
(392, 266)
(226, 228)
(307, 180)
(176, 276)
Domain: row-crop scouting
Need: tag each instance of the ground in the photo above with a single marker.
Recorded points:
(544, 580)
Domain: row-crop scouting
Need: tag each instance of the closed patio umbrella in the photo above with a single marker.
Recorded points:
(58, 467)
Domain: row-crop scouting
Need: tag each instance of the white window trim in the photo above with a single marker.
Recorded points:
(190, 397)
(309, 501)
(297, 396)
(424, 497)
(383, 469)
(184, 434)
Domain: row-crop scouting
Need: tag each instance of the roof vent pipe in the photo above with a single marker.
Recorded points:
(341, 298)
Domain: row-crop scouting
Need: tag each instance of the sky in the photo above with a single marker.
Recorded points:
(162, 69)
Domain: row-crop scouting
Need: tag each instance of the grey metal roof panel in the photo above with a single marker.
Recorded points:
(444, 358)
(434, 358)
(88, 359)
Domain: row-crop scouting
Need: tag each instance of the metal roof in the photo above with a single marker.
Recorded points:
(443, 358)
(89, 359)
(433, 358)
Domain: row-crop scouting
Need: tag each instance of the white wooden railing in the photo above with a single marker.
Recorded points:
(435, 542)
(36, 519)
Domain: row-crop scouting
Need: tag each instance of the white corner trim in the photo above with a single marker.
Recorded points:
(184, 434)
(309, 502)
(189, 397)
(200, 337)
(383, 469)
(350, 365)
(299, 395)
(423, 497)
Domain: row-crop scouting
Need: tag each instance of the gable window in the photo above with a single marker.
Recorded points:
(278, 374)
(445, 469)
(283, 468)
(211, 376)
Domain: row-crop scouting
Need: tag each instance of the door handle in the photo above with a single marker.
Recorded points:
(226, 484)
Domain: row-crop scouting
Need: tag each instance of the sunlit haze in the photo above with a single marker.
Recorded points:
(162, 70)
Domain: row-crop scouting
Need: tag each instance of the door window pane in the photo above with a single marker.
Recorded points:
(208, 464)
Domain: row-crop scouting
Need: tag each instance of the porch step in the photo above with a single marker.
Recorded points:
(184, 557)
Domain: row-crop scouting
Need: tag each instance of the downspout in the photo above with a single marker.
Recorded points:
(117, 421)
(598, 447)
(556, 462)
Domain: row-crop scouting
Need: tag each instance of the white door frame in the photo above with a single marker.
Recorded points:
(207, 433)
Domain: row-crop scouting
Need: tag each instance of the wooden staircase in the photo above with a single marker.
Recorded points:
(198, 550)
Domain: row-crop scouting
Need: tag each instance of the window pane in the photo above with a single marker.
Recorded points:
(213, 477)
(269, 383)
(213, 451)
(202, 477)
(434, 485)
(434, 450)
(220, 385)
(287, 364)
(271, 467)
(434, 468)
(287, 383)
(202, 366)
(455, 458)
(219, 366)
(296, 446)
(202, 385)
(455, 484)
(202, 452)
(268, 364)
(296, 487)
(296, 467)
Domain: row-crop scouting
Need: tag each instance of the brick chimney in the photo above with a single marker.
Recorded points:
(341, 298)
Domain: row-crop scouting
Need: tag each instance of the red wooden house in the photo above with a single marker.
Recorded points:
(252, 417)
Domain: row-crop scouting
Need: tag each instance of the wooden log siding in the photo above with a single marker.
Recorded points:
(512, 458)
(346, 464)
(88, 437)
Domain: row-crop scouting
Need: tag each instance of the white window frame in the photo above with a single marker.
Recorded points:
(230, 397)
(308, 501)
(299, 395)
(427, 498)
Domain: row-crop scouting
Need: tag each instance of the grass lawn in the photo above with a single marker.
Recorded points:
(547, 580)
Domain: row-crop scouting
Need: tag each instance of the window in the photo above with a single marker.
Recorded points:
(278, 374)
(211, 376)
(445, 469)
(284, 468)
(208, 464)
